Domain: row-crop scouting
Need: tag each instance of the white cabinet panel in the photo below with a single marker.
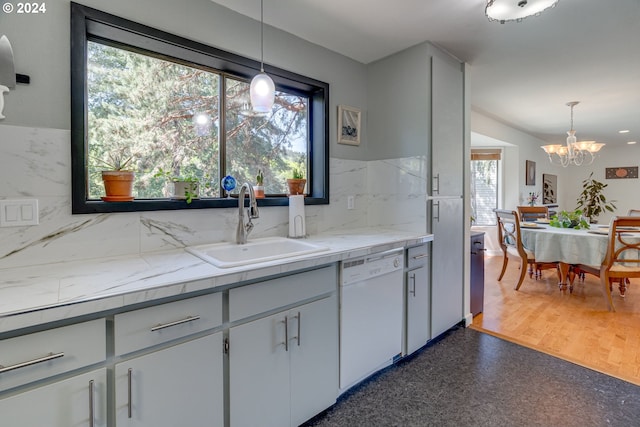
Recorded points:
(66, 403)
(177, 386)
(277, 384)
(60, 350)
(138, 329)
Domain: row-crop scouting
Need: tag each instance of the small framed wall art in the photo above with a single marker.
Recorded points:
(621, 172)
(549, 188)
(348, 125)
(530, 178)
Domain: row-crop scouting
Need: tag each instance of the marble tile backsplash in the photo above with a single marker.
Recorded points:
(35, 163)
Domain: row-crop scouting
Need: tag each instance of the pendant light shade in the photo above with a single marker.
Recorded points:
(262, 90)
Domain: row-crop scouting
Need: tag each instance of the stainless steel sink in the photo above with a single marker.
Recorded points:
(225, 255)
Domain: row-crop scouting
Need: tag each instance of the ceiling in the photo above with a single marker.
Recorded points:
(522, 74)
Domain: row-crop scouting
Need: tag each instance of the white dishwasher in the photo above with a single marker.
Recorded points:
(371, 310)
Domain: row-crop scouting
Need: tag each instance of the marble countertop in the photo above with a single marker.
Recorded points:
(40, 294)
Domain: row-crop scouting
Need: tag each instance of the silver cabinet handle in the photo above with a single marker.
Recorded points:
(298, 336)
(177, 322)
(413, 278)
(420, 256)
(286, 333)
(435, 189)
(91, 405)
(46, 358)
(129, 403)
(436, 217)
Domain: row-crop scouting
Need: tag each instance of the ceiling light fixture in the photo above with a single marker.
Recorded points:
(262, 90)
(574, 153)
(516, 10)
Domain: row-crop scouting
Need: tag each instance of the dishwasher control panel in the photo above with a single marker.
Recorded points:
(358, 269)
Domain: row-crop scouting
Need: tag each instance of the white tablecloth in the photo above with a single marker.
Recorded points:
(568, 245)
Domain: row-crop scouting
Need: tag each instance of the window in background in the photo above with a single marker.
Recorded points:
(484, 185)
(171, 107)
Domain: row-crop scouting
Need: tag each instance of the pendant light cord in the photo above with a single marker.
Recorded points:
(262, 36)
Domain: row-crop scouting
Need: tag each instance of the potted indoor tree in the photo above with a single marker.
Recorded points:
(592, 201)
(297, 183)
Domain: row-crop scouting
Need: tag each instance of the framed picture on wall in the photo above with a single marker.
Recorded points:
(549, 189)
(348, 125)
(530, 178)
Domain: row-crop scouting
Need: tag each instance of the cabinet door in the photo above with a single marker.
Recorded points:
(447, 121)
(259, 373)
(177, 386)
(314, 358)
(66, 403)
(418, 309)
(446, 265)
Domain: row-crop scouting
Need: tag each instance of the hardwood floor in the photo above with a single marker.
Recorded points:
(573, 326)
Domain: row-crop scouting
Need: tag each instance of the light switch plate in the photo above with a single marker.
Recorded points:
(18, 213)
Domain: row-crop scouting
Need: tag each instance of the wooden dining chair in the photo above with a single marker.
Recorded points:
(622, 260)
(510, 240)
(532, 213)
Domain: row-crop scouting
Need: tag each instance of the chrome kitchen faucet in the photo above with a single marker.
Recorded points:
(243, 229)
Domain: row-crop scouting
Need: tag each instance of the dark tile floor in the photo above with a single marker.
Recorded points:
(467, 378)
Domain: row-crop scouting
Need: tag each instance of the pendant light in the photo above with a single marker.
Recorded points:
(262, 90)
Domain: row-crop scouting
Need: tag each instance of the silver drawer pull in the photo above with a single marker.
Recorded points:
(46, 358)
(420, 256)
(177, 322)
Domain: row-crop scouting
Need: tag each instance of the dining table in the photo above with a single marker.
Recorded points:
(566, 246)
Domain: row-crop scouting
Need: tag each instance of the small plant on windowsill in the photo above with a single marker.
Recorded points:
(297, 183)
(118, 181)
(185, 188)
(258, 189)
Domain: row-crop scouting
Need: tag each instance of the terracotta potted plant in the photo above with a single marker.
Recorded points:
(118, 181)
(258, 189)
(297, 183)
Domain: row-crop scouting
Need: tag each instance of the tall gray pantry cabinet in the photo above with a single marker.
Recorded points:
(445, 207)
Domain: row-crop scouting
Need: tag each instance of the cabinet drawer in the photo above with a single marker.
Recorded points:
(257, 298)
(417, 256)
(43, 354)
(147, 327)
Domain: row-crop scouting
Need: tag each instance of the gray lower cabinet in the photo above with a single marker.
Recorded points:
(77, 401)
(178, 386)
(447, 266)
(418, 299)
(283, 367)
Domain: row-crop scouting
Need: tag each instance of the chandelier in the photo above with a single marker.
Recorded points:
(574, 153)
(516, 10)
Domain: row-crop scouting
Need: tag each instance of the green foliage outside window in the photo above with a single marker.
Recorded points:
(165, 116)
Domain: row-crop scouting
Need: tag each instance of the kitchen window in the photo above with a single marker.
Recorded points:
(484, 185)
(171, 107)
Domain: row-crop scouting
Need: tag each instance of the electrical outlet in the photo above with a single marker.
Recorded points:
(351, 203)
(17, 213)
